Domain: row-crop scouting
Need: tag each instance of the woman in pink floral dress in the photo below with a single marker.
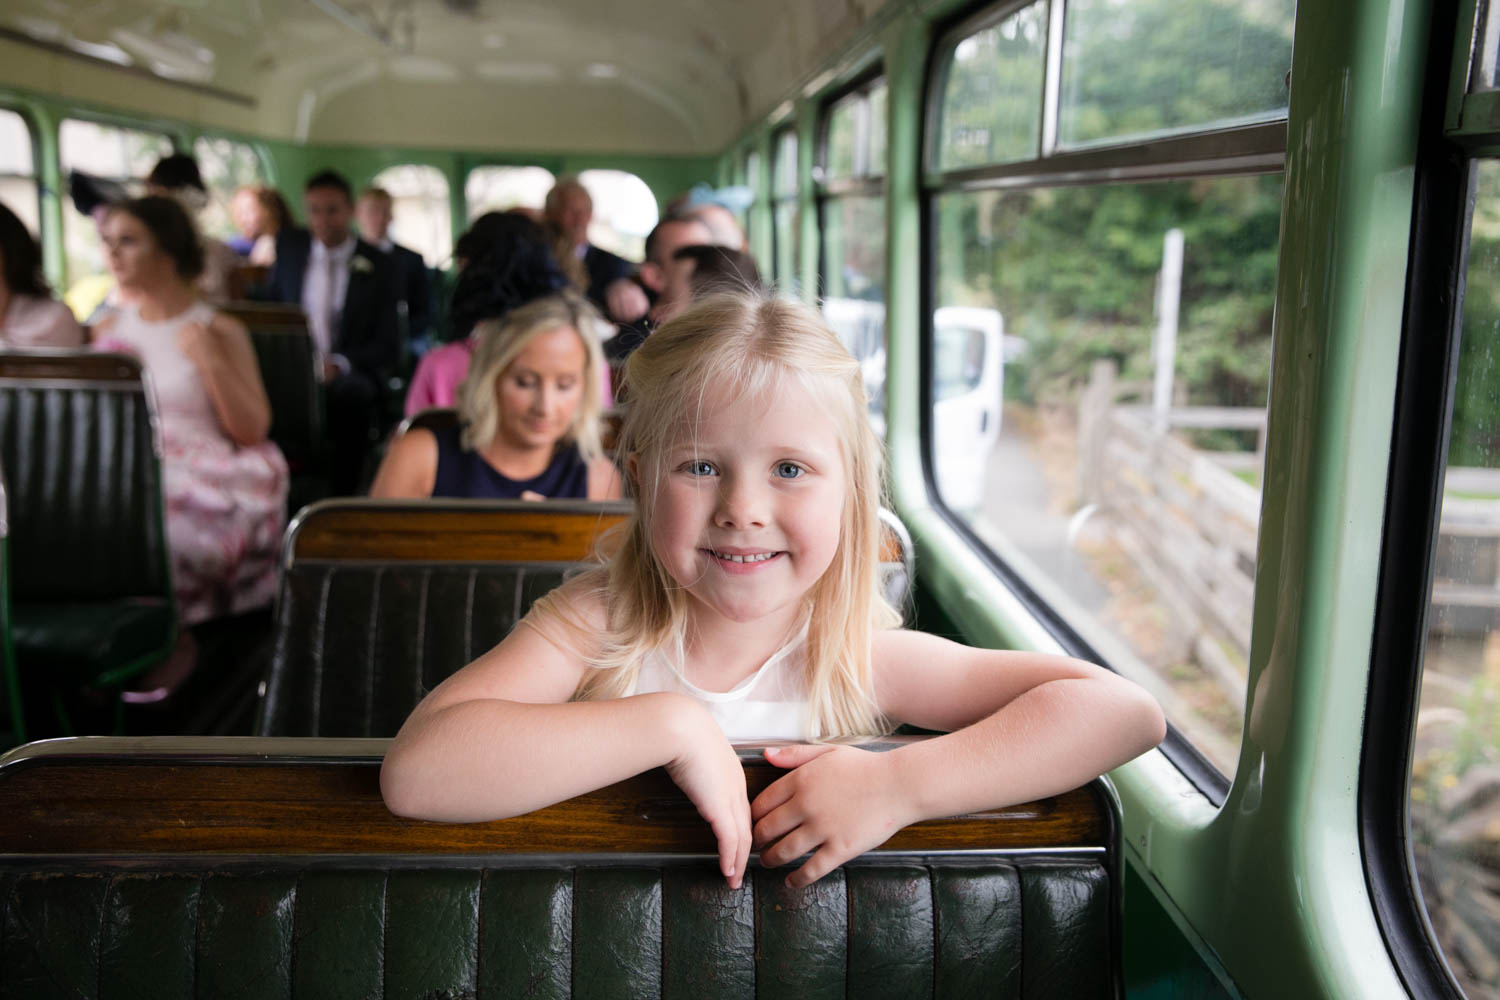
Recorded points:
(225, 483)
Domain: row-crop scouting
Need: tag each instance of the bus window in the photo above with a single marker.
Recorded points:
(786, 218)
(1455, 771)
(624, 211)
(851, 215)
(18, 187)
(421, 212)
(1103, 346)
(226, 166)
(1149, 67)
(750, 177)
(119, 154)
(496, 189)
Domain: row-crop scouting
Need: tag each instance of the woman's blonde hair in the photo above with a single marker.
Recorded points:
(499, 342)
(743, 344)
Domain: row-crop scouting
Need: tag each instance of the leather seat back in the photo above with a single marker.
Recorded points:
(80, 450)
(247, 867)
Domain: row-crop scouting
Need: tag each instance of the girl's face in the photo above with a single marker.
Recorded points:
(132, 254)
(539, 392)
(746, 515)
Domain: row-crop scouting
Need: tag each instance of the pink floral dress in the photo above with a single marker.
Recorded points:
(226, 505)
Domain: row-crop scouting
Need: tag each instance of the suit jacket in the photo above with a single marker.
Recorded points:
(604, 267)
(368, 334)
(414, 288)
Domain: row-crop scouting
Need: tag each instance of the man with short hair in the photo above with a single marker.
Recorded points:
(413, 287)
(570, 208)
(700, 270)
(348, 290)
(669, 234)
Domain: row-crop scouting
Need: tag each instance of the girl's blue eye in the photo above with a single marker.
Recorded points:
(700, 468)
(789, 470)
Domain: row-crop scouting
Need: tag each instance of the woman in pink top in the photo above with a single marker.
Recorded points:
(29, 315)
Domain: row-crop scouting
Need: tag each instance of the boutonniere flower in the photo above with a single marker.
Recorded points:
(361, 265)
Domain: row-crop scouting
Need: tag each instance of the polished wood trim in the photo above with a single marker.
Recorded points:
(73, 366)
(169, 805)
(499, 531)
(467, 531)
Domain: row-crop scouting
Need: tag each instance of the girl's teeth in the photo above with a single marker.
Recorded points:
(762, 557)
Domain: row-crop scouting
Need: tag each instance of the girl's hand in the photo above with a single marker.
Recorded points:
(709, 772)
(836, 804)
(197, 342)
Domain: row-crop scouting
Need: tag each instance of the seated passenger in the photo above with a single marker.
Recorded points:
(374, 212)
(529, 410)
(29, 315)
(665, 239)
(570, 208)
(260, 214)
(505, 262)
(93, 296)
(743, 602)
(348, 290)
(176, 176)
(225, 484)
(701, 270)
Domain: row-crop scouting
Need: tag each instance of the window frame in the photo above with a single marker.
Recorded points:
(1450, 146)
(1237, 151)
(776, 199)
(33, 133)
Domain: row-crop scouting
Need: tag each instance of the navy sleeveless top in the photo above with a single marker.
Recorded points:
(465, 474)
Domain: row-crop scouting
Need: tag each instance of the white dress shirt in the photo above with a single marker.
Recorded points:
(324, 287)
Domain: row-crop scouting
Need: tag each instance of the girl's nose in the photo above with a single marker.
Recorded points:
(741, 505)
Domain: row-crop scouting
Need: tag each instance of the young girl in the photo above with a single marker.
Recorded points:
(742, 603)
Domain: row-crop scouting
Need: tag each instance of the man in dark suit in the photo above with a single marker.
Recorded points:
(413, 287)
(569, 209)
(348, 290)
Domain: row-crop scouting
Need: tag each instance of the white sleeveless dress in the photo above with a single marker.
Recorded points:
(225, 504)
(770, 704)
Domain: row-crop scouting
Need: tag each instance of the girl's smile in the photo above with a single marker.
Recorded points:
(747, 511)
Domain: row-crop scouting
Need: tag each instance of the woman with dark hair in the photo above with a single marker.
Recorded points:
(177, 177)
(29, 315)
(506, 262)
(225, 483)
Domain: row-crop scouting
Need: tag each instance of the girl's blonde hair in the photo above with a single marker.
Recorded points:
(499, 342)
(741, 344)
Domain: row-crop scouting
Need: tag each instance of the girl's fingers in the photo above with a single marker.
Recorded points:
(729, 838)
(775, 794)
(820, 864)
(789, 848)
(796, 755)
(775, 825)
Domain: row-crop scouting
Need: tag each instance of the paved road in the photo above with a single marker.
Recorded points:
(1018, 506)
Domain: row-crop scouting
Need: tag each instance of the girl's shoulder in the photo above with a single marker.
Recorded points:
(574, 616)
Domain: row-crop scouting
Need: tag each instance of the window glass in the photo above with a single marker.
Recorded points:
(118, 154)
(624, 211)
(786, 214)
(421, 211)
(1120, 451)
(226, 166)
(1485, 72)
(992, 95)
(1455, 779)
(495, 189)
(854, 141)
(854, 287)
(1137, 67)
(18, 187)
(752, 181)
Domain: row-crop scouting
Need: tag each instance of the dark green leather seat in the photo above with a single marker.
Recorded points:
(223, 870)
(12, 722)
(380, 601)
(90, 579)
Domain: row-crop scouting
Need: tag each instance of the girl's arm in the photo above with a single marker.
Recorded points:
(500, 738)
(1023, 726)
(222, 352)
(409, 468)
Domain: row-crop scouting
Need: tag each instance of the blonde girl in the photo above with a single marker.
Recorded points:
(743, 603)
